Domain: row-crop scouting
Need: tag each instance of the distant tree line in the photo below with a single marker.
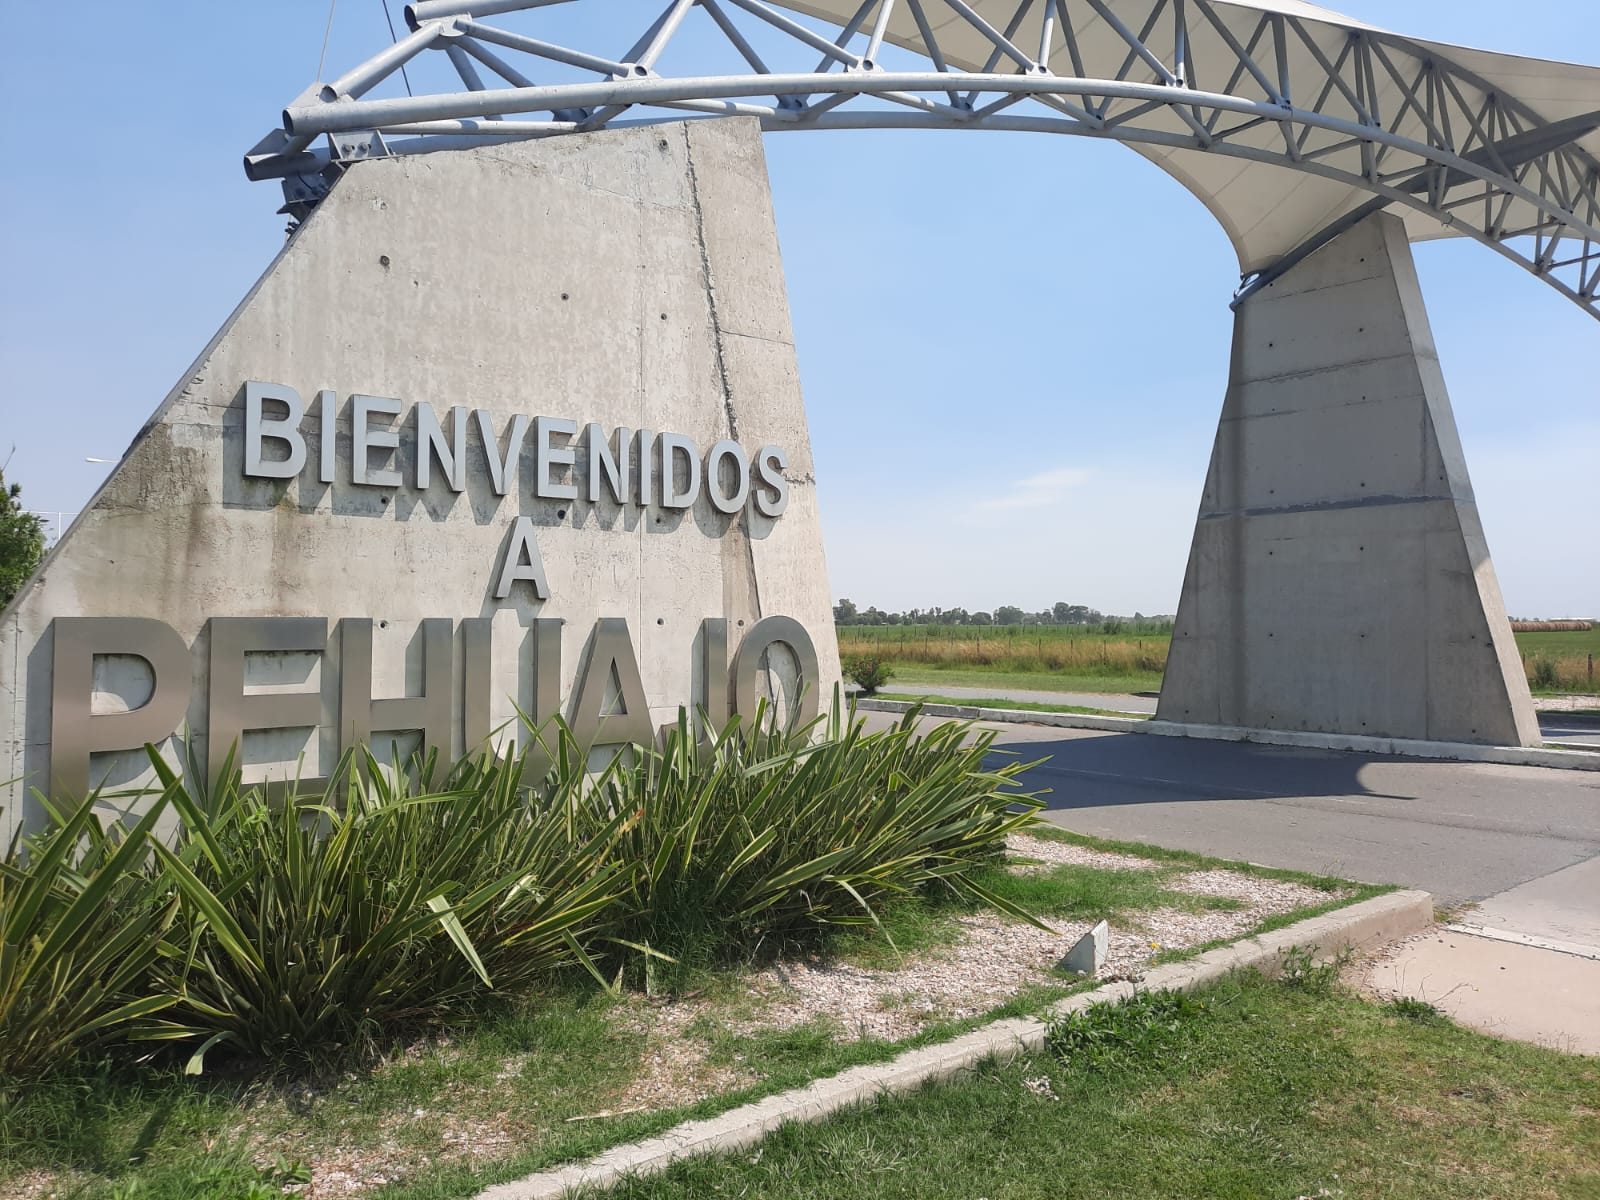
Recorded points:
(1061, 613)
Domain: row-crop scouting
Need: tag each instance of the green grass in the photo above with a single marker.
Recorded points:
(1022, 657)
(922, 675)
(1009, 705)
(1250, 1089)
(1193, 861)
(1091, 893)
(515, 1074)
(1579, 642)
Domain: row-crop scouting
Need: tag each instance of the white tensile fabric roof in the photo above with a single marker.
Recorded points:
(1266, 209)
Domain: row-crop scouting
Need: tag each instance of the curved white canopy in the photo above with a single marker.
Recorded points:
(1266, 209)
(1289, 122)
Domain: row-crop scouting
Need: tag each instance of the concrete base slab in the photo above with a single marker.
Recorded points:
(1512, 991)
(1563, 906)
(1519, 756)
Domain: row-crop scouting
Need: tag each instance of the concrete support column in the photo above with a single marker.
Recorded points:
(1339, 580)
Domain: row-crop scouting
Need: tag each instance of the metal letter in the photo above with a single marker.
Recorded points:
(76, 731)
(431, 444)
(770, 462)
(594, 722)
(513, 567)
(675, 445)
(365, 439)
(545, 702)
(328, 439)
(723, 502)
(286, 429)
(547, 456)
(477, 657)
(714, 659)
(231, 710)
(499, 464)
(602, 461)
(546, 668)
(747, 664)
(360, 715)
(646, 487)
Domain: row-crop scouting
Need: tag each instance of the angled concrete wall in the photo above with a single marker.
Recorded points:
(628, 278)
(1339, 580)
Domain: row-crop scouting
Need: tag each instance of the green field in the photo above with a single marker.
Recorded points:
(1054, 658)
(1075, 658)
(1586, 642)
(1561, 662)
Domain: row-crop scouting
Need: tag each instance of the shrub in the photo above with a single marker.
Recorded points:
(323, 923)
(82, 922)
(756, 840)
(868, 671)
(293, 928)
(1542, 674)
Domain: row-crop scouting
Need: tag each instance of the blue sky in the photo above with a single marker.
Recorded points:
(993, 419)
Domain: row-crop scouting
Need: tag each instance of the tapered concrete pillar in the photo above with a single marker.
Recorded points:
(577, 349)
(1339, 580)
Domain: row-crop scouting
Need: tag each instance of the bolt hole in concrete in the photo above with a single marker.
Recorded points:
(383, 261)
(561, 514)
(661, 620)
(564, 296)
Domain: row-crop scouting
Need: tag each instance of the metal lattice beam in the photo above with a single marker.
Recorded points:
(1383, 115)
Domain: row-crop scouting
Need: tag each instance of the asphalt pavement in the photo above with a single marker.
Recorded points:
(1463, 831)
(1512, 852)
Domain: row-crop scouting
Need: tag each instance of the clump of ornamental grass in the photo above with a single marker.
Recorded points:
(83, 924)
(760, 840)
(278, 926)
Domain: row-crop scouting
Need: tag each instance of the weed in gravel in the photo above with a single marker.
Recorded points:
(1305, 969)
(1410, 1008)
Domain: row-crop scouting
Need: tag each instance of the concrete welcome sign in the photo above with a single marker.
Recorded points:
(512, 428)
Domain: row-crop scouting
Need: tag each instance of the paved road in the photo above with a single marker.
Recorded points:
(1463, 831)
(1559, 727)
(1522, 843)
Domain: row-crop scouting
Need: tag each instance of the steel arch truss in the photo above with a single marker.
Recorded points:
(1383, 114)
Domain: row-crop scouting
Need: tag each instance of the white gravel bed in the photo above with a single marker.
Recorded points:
(994, 958)
(1063, 854)
(1276, 895)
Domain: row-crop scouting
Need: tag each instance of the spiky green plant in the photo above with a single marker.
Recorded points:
(757, 838)
(82, 924)
(316, 925)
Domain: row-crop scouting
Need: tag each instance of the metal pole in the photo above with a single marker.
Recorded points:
(431, 10)
(379, 67)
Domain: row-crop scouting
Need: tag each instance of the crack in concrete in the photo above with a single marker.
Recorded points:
(719, 342)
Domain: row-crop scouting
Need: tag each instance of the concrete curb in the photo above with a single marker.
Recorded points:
(1520, 756)
(1360, 926)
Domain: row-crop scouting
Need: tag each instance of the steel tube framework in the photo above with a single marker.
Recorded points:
(1388, 117)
